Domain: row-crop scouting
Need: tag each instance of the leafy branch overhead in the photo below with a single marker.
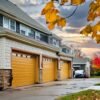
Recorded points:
(52, 14)
(93, 30)
(53, 17)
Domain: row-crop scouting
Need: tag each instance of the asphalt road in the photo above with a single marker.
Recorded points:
(48, 91)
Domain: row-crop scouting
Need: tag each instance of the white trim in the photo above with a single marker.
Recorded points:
(9, 23)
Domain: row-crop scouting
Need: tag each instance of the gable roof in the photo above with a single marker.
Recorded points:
(66, 46)
(80, 60)
(14, 10)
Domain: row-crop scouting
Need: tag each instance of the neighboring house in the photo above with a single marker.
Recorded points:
(66, 49)
(29, 53)
(82, 64)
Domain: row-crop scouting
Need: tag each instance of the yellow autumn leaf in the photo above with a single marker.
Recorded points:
(61, 22)
(84, 32)
(97, 11)
(98, 38)
(98, 2)
(51, 15)
(63, 2)
(87, 30)
(77, 2)
(93, 6)
(48, 6)
(44, 11)
(51, 26)
(96, 27)
(91, 16)
(94, 34)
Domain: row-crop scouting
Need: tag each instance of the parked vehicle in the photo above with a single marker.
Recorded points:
(80, 74)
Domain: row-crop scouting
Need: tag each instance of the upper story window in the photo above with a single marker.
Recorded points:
(67, 50)
(41, 37)
(31, 33)
(37, 35)
(6, 22)
(27, 31)
(55, 42)
(23, 29)
(12, 25)
(64, 50)
(44, 38)
(9, 23)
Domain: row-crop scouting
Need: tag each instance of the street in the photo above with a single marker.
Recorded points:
(48, 91)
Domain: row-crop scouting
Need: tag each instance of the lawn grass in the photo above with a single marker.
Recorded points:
(98, 84)
(95, 76)
(83, 95)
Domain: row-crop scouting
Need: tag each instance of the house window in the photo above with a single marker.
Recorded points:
(64, 50)
(54, 41)
(6, 22)
(12, 25)
(23, 32)
(67, 50)
(43, 38)
(31, 33)
(23, 29)
(58, 43)
(9, 24)
(37, 35)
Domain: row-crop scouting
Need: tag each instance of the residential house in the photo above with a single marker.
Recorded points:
(82, 64)
(29, 52)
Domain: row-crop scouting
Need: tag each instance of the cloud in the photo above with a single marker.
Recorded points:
(79, 19)
(72, 30)
(90, 43)
(90, 51)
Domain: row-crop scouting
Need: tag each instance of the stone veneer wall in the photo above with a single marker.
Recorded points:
(5, 78)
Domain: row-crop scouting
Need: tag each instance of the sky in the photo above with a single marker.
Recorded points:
(70, 34)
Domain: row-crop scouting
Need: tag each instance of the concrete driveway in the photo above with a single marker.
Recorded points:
(48, 91)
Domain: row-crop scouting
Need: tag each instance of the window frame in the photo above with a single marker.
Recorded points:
(9, 23)
(14, 25)
(4, 17)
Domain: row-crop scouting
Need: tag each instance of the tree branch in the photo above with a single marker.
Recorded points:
(72, 13)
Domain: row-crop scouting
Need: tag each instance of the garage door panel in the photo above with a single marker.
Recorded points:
(64, 70)
(48, 69)
(23, 69)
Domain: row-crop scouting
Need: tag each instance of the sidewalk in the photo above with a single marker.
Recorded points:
(94, 87)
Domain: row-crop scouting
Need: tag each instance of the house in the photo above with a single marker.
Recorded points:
(82, 64)
(29, 52)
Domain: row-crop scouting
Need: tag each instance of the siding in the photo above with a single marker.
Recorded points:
(5, 52)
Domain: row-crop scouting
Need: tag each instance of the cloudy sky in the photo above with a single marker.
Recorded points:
(70, 33)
